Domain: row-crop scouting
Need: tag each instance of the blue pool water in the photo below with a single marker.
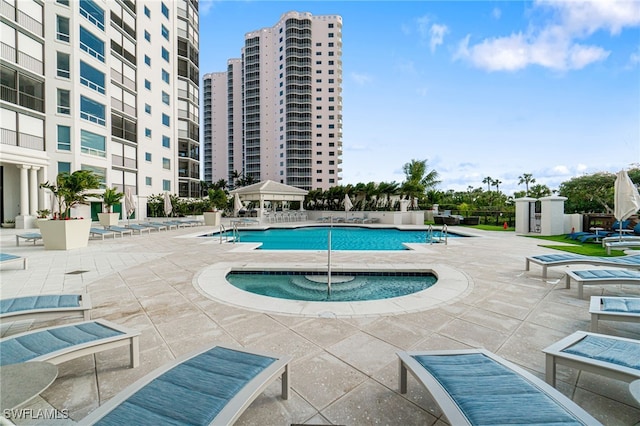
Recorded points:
(345, 287)
(342, 238)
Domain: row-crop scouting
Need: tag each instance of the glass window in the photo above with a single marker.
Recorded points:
(64, 102)
(165, 54)
(330, 35)
(91, 44)
(166, 185)
(166, 141)
(147, 60)
(64, 138)
(166, 163)
(166, 120)
(147, 156)
(147, 108)
(92, 78)
(147, 180)
(165, 76)
(63, 167)
(147, 35)
(165, 10)
(166, 99)
(64, 69)
(92, 12)
(92, 111)
(62, 28)
(147, 84)
(147, 12)
(147, 132)
(165, 32)
(101, 172)
(93, 143)
(63, 2)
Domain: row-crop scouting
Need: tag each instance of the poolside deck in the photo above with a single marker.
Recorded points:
(345, 370)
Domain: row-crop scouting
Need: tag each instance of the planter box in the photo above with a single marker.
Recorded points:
(212, 218)
(108, 219)
(65, 234)
(40, 219)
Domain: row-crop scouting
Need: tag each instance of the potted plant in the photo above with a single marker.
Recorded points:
(42, 215)
(110, 197)
(217, 198)
(70, 190)
(9, 223)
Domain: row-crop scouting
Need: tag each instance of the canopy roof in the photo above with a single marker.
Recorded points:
(270, 190)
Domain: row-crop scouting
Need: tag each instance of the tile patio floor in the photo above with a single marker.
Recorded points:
(345, 371)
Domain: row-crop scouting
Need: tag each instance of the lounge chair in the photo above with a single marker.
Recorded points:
(46, 307)
(63, 343)
(611, 308)
(121, 230)
(97, 232)
(213, 386)
(31, 236)
(371, 220)
(601, 277)
(162, 225)
(178, 223)
(560, 259)
(155, 225)
(475, 386)
(140, 228)
(621, 245)
(614, 357)
(12, 258)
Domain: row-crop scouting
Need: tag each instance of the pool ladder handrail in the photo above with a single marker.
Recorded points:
(443, 234)
(235, 233)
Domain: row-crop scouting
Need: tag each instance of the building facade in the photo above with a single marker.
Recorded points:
(276, 112)
(104, 85)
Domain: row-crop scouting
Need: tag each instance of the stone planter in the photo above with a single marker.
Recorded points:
(40, 219)
(65, 234)
(108, 219)
(212, 218)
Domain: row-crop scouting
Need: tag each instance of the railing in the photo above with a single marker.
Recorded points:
(443, 235)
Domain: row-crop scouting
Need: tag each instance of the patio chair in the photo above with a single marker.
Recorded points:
(157, 226)
(12, 258)
(31, 236)
(475, 386)
(211, 386)
(140, 228)
(121, 230)
(63, 343)
(621, 245)
(45, 307)
(601, 277)
(611, 308)
(614, 357)
(97, 232)
(561, 259)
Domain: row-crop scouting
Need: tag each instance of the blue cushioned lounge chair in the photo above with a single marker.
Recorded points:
(34, 237)
(97, 232)
(613, 309)
(610, 356)
(46, 307)
(12, 258)
(211, 386)
(601, 277)
(561, 259)
(63, 343)
(139, 228)
(121, 230)
(475, 386)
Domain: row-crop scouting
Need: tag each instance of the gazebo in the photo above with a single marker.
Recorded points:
(268, 190)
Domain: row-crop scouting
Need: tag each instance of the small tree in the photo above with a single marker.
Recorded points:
(110, 197)
(217, 198)
(72, 189)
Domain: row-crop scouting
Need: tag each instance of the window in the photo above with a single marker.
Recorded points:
(64, 70)
(93, 143)
(147, 12)
(147, 60)
(331, 108)
(91, 44)
(147, 132)
(165, 10)
(166, 141)
(147, 156)
(331, 162)
(64, 138)
(92, 111)
(331, 81)
(331, 99)
(92, 78)
(62, 28)
(147, 35)
(166, 99)
(165, 32)
(63, 2)
(332, 135)
(64, 102)
(330, 62)
(165, 76)
(147, 84)
(166, 163)
(166, 120)
(330, 35)
(331, 53)
(330, 44)
(147, 108)
(331, 126)
(147, 180)
(331, 72)
(165, 54)
(166, 185)
(63, 167)
(92, 12)
(330, 25)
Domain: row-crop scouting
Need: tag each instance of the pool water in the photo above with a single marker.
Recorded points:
(345, 287)
(342, 238)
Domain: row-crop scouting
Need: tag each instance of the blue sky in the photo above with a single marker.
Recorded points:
(477, 88)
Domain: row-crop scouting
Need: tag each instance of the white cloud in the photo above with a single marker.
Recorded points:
(204, 6)
(361, 79)
(496, 13)
(437, 32)
(634, 58)
(561, 170)
(423, 26)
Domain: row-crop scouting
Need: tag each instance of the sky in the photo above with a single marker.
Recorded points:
(476, 88)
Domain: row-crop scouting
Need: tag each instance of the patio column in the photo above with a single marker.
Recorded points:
(24, 189)
(33, 190)
(43, 201)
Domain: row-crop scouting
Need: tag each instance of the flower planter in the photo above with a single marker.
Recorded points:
(108, 219)
(8, 225)
(212, 218)
(65, 234)
(40, 219)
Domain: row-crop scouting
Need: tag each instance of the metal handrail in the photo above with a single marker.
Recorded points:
(222, 231)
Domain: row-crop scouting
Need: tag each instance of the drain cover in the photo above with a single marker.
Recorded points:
(78, 272)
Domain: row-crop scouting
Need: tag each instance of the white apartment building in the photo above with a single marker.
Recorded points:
(276, 113)
(104, 85)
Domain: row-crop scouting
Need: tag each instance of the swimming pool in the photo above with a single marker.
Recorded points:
(342, 238)
(345, 287)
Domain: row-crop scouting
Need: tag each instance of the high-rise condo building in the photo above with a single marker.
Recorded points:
(276, 112)
(104, 85)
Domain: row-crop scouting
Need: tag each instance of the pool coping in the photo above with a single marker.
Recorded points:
(452, 286)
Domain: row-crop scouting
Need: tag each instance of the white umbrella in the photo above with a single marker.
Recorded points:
(129, 202)
(237, 204)
(348, 205)
(168, 208)
(626, 198)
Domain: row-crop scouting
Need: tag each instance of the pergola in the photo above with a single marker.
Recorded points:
(268, 190)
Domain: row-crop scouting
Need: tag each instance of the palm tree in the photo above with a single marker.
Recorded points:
(388, 189)
(418, 180)
(497, 183)
(526, 178)
(489, 181)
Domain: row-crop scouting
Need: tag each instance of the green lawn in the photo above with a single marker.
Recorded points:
(588, 249)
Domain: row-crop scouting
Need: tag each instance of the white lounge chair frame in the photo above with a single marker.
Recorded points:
(33, 236)
(232, 410)
(555, 356)
(129, 337)
(597, 314)
(83, 311)
(448, 405)
(620, 245)
(581, 281)
(587, 260)
(15, 259)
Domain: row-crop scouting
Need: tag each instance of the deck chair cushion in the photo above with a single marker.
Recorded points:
(621, 304)
(619, 352)
(39, 302)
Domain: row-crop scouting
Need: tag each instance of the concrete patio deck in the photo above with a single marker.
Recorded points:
(344, 370)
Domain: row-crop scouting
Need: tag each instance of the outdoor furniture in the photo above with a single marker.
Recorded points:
(561, 259)
(97, 232)
(614, 357)
(32, 236)
(601, 277)
(475, 386)
(611, 308)
(156, 225)
(46, 307)
(211, 386)
(12, 258)
(471, 220)
(621, 245)
(120, 230)
(140, 228)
